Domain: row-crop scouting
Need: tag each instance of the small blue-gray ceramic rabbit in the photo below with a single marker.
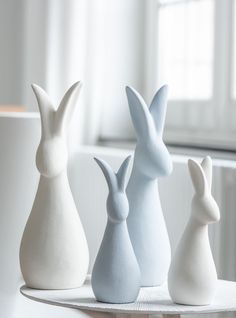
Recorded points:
(116, 275)
(146, 223)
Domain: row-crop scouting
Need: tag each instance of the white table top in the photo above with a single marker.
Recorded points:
(151, 300)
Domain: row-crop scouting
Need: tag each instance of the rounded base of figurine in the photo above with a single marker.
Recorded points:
(107, 301)
(58, 286)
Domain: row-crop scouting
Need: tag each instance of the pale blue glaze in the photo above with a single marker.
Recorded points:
(146, 223)
(116, 275)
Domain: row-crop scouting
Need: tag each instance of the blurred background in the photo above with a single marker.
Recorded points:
(107, 44)
(188, 44)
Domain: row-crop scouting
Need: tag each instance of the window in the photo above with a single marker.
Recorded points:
(195, 57)
(195, 53)
(185, 52)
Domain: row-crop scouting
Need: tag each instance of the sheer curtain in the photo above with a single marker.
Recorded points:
(55, 55)
(55, 43)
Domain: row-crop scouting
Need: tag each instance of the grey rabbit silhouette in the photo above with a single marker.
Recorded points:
(116, 275)
(146, 223)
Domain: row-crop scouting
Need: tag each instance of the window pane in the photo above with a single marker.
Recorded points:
(185, 48)
(234, 53)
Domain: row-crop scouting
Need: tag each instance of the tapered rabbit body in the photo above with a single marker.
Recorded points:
(192, 276)
(116, 275)
(54, 252)
(146, 222)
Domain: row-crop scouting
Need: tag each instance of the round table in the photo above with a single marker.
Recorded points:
(151, 300)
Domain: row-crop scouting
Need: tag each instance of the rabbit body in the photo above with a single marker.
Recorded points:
(147, 230)
(53, 252)
(116, 274)
(146, 222)
(192, 276)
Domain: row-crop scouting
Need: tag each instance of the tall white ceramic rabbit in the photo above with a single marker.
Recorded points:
(54, 252)
(192, 276)
(116, 275)
(146, 223)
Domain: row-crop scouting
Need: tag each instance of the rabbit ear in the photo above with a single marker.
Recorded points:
(158, 108)
(108, 173)
(141, 117)
(46, 109)
(67, 106)
(121, 174)
(198, 177)
(207, 168)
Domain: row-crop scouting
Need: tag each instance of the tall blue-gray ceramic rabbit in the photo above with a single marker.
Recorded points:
(116, 275)
(146, 223)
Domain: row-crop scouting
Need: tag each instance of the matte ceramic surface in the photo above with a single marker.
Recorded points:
(54, 252)
(192, 276)
(116, 274)
(146, 223)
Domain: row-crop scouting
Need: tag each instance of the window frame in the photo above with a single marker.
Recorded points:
(206, 122)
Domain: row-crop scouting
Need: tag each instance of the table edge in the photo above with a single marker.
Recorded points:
(123, 311)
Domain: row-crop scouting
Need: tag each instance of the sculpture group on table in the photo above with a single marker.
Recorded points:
(135, 250)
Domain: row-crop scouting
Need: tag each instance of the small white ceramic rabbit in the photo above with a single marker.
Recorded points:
(192, 276)
(54, 252)
(146, 223)
(116, 275)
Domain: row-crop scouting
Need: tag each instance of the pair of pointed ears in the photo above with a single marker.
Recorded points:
(115, 181)
(52, 119)
(146, 119)
(201, 175)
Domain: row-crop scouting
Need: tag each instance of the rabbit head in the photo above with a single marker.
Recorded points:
(117, 202)
(52, 153)
(204, 208)
(151, 155)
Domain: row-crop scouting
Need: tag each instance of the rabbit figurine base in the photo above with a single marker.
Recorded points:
(146, 222)
(54, 252)
(192, 276)
(116, 275)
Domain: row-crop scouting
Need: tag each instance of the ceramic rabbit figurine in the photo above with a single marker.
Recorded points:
(146, 223)
(192, 276)
(54, 252)
(116, 274)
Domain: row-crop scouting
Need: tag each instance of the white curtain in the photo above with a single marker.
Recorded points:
(55, 43)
